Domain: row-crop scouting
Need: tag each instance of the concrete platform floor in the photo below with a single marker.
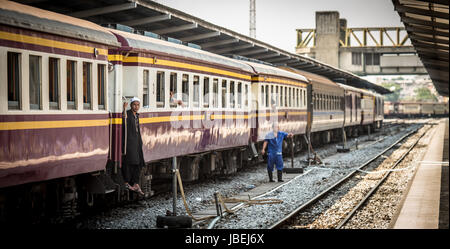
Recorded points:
(426, 203)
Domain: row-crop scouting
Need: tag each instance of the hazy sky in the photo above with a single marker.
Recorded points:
(277, 20)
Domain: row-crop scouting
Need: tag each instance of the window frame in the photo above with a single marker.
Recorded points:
(16, 78)
(39, 105)
(101, 91)
(87, 105)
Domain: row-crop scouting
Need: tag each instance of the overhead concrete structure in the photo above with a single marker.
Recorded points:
(363, 51)
(427, 24)
(154, 19)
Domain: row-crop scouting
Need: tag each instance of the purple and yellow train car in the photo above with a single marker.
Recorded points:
(214, 91)
(279, 96)
(54, 119)
(352, 105)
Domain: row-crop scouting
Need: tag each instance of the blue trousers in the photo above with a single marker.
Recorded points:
(274, 159)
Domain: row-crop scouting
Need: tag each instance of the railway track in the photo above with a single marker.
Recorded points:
(287, 221)
(120, 217)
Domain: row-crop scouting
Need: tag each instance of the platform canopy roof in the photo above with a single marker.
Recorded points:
(149, 16)
(426, 22)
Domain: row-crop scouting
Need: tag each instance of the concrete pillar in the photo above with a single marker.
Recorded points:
(327, 37)
(342, 28)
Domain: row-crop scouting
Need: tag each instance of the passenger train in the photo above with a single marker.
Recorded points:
(62, 84)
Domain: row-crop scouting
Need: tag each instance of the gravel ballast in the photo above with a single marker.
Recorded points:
(142, 214)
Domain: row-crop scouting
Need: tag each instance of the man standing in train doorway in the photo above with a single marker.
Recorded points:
(274, 152)
(133, 158)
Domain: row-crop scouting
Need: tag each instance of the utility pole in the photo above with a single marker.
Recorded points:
(252, 18)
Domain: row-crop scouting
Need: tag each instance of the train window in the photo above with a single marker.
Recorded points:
(295, 100)
(232, 101)
(185, 89)
(215, 93)
(300, 97)
(14, 85)
(196, 97)
(87, 86)
(239, 95)
(277, 101)
(160, 88)
(53, 83)
(101, 86)
(316, 101)
(173, 90)
(286, 97)
(206, 92)
(304, 98)
(71, 84)
(272, 96)
(329, 102)
(267, 96)
(321, 98)
(321, 101)
(281, 96)
(246, 95)
(262, 96)
(145, 84)
(224, 94)
(35, 82)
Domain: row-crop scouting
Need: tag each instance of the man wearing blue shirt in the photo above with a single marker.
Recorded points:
(274, 140)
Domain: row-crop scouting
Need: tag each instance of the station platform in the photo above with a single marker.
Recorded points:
(425, 205)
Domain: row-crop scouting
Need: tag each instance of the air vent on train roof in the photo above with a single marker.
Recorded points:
(119, 27)
(242, 58)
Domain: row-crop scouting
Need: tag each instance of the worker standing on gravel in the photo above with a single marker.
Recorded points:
(274, 140)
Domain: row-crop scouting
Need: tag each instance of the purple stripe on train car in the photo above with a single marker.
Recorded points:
(31, 144)
(42, 154)
(51, 170)
(51, 117)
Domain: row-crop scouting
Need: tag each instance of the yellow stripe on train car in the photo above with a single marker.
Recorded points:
(26, 125)
(50, 43)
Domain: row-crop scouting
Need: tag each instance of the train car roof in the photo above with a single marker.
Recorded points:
(271, 70)
(153, 44)
(351, 88)
(313, 78)
(24, 16)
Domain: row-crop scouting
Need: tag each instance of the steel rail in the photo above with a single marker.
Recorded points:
(323, 193)
(373, 190)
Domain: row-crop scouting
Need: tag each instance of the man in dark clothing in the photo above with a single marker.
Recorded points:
(274, 142)
(133, 158)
